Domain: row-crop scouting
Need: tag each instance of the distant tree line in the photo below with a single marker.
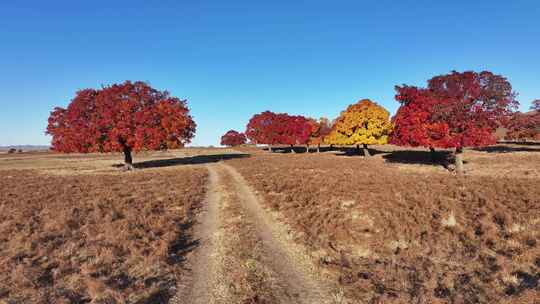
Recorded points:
(455, 110)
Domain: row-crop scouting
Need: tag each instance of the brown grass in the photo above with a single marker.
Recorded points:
(419, 235)
(105, 163)
(109, 238)
(393, 229)
(502, 160)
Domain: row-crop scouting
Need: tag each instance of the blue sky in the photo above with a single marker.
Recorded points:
(232, 59)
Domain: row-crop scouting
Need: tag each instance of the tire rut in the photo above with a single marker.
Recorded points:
(232, 220)
(198, 286)
(280, 254)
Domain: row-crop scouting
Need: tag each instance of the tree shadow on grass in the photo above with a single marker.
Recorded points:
(506, 149)
(521, 143)
(440, 158)
(182, 245)
(353, 152)
(340, 151)
(324, 149)
(178, 250)
(188, 160)
(288, 149)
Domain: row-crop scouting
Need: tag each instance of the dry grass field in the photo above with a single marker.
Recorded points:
(398, 229)
(249, 226)
(75, 229)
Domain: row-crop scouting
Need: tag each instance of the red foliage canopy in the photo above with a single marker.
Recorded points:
(455, 110)
(258, 129)
(271, 128)
(524, 126)
(413, 124)
(131, 116)
(292, 130)
(233, 138)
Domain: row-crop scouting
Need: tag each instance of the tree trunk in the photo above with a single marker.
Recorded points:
(307, 148)
(358, 149)
(319, 148)
(459, 160)
(331, 147)
(432, 154)
(270, 148)
(292, 149)
(366, 151)
(128, 160)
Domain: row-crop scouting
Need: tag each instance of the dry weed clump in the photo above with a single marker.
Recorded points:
(394, 236)
(115, 238)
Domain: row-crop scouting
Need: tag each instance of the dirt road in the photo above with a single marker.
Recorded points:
(195, 287)
(245, 255)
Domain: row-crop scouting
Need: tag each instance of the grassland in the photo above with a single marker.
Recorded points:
(282, 227)
(398, 228)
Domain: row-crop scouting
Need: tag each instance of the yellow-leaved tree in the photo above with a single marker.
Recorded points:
(364, 123)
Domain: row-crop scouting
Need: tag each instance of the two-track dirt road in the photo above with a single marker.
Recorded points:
(245, 255)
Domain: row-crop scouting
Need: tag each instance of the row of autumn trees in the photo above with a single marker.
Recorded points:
(456, 110)
(364, 123)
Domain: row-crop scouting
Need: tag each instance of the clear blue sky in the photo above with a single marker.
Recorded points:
(231, 59)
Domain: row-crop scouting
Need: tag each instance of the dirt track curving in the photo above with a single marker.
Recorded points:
(244, 256)
(197, 287)
(280, 253)
(384, 230)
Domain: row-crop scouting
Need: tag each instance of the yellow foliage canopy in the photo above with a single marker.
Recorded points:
(363, 123)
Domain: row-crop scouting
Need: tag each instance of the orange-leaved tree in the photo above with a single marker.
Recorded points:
(319, 130)
(364, 123)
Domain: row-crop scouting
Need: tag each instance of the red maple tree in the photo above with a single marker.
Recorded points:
(413, 123)
(278, 129)
(126, 117)
(292, 130)
(258, 129)
(456, 110)
(233, 138)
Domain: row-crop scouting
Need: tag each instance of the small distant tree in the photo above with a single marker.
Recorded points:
(126, 117)
(12, 150)
(233, 138)
(364, 123)
(319, 130)
(525, 126)
(456, 110)
(278, 129)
